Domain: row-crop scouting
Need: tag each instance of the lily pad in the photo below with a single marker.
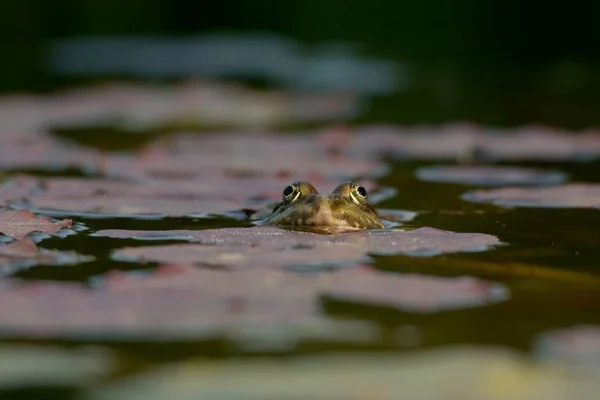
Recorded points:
(264, 246)
(250, 307)
(465, 142)
(194, 157)
(30, 366)
(33, 150)
(25, 253)
(18, 224)
(577, 345)
(216, 194)
(411, 292)
(197, 104)
(467, 373)
(573, 195)
(489, 175)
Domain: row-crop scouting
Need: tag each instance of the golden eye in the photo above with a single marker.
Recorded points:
(358, 194)
(291, 193)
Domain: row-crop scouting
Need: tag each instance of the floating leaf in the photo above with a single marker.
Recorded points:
(574, 195)
(467, 373)
(33, 366)
(489, 175)
(246, 306)
(467, 142)
(217, 194)
(192, 104)
(577, 345)
(264, 246)
(179, 303)
(33, 150)
(194, 157)
(411, 292)
(24, 253)
(18, 224)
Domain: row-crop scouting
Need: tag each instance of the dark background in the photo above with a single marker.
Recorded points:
(494, 62)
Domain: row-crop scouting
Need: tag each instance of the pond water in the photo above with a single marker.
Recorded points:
(162, 280)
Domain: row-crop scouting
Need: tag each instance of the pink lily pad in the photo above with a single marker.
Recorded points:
(465, 141)
(18, 224)
(33, 150)
(216, 194)
(183, 302)
(573, 195)
(176, 303)
(411, 292)
(578, 345)
(264, 246)
(193, 157)
(199, 104)
(489, 175)
(24, 253)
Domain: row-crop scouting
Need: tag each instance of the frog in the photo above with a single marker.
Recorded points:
(346, 209)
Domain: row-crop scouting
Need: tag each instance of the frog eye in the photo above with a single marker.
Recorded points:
(291, 193)
(358, 194)
(288, 191)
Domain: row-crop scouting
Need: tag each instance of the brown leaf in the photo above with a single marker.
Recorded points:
(20, 223)
(25, 253)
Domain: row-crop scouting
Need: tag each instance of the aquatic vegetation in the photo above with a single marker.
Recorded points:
(177, 244)
(489, 175)
(19, 224)
(571, 195)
